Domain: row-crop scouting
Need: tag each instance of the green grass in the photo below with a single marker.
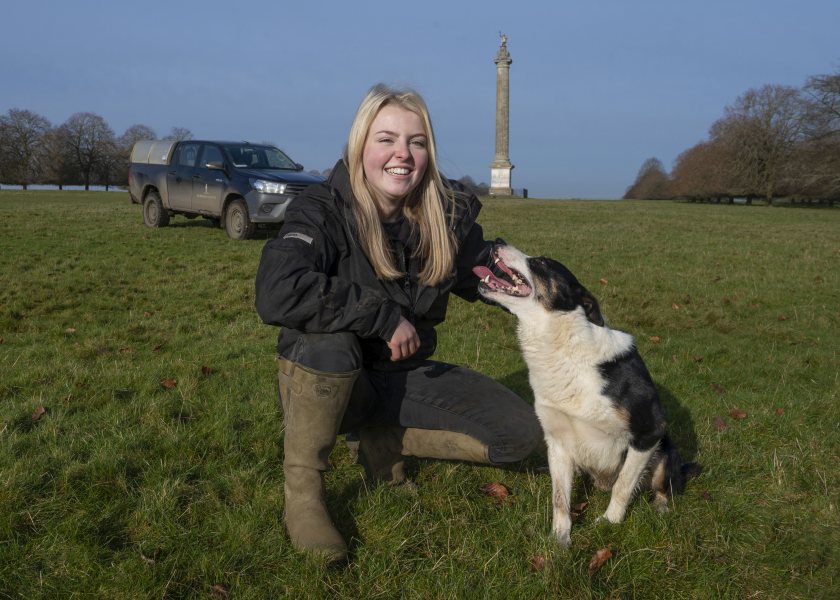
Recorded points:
(125, 488)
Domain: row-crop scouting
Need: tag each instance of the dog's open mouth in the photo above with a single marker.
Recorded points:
(506, 280)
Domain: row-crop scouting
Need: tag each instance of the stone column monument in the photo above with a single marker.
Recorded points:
(500, 168)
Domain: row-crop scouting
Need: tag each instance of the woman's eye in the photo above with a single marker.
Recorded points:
(419, 143)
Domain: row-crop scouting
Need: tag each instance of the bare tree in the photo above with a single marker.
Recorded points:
(124, 144)
(22, 146)
(60, 165)
(651, 183)
(479, 189)
(703, 172)
(762, 129)
(824, 110)
(179, 134)
(91, 139)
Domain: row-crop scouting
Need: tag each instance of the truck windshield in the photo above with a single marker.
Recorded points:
(258, 157)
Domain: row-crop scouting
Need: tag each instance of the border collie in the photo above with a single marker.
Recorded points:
(594, 397)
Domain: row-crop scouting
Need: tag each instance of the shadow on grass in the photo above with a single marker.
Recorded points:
(261, 232)
(680, 424)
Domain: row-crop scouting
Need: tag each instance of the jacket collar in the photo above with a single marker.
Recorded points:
(339, 180)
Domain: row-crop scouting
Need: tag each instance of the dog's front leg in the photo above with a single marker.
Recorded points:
(562, 469)
(625, 486)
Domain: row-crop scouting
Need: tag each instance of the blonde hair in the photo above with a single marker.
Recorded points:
(425, 205)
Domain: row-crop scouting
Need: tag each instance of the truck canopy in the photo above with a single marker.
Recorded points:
(152, 152)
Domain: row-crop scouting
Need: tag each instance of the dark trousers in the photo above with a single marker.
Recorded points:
(428, 395)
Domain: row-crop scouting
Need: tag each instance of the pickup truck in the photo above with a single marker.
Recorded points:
(236, 184)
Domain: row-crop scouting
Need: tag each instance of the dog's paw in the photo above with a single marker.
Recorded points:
(563, 538)
(610, 517)
(660, 503)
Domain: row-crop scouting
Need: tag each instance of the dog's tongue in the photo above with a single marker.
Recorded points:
(482, 272)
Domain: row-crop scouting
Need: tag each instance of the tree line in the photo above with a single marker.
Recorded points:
(84, 151)
(81, 151)
(773, 142)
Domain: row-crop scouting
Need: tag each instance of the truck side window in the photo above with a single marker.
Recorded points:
(211, 153)
(187, 154)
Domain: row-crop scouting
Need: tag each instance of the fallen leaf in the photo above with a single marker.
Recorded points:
(598, 559)
(537, 563)
(706, 495)
(219, 591)
(147, 313)
(655, 339)
(206, 371)
(698, 359)
(38, 413)
(718, 388)
(720, 424)
(70, 330)
(782, 318)
(780, 412)
(157, 348)
(497, 491)
(169, 383)
(603, 281)
(818, 279)
(675, 306)
(125, 351)
(737, 414)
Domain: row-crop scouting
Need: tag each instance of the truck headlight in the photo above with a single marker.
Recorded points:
(268, 187)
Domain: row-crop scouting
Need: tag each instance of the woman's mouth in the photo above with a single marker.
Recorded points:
(397, 171)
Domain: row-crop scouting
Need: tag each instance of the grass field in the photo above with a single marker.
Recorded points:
(140, 440)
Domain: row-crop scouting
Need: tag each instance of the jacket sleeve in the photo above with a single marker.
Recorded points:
(473, 249)
(296, 285)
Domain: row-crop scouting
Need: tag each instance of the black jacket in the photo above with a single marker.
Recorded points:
(314, 277)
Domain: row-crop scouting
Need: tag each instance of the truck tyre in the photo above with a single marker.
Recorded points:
(237, 223)
(154, 215)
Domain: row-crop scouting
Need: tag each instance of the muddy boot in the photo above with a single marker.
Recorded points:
(313, 406)
(380, 453)
(448, 445)
(381, 449)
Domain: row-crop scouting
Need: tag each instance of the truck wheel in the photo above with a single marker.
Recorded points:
(154, 215)
(237, 223)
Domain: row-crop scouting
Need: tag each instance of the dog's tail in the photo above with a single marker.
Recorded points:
(676, 472)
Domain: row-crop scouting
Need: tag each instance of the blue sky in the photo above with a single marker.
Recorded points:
(597, 86)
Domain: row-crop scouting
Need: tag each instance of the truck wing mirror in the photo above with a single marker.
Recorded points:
(298, 167)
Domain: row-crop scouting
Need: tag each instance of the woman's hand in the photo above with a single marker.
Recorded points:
(405, 340)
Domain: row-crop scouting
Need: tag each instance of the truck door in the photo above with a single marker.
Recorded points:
(179, 178)
(209, 184)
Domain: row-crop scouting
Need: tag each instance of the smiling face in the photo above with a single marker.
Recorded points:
(395, 156)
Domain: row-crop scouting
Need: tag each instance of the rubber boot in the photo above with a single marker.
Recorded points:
(313, 406)
(381, 449)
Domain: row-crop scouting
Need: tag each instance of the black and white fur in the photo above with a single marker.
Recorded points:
(594, 397)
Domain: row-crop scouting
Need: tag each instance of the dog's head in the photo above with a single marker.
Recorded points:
(521, 283)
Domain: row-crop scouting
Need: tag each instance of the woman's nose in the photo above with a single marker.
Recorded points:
(402, 150)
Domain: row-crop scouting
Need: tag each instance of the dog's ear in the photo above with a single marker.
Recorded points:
(591, 308)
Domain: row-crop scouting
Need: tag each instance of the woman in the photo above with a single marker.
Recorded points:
(358, 277)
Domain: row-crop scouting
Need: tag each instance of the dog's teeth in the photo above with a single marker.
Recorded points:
(486, 279)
